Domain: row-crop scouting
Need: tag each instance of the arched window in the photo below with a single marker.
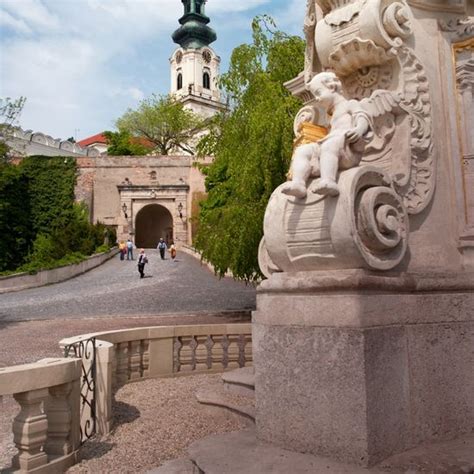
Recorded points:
(206, 80)
(179, 81)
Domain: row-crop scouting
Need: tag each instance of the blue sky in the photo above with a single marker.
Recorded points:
(82, 63)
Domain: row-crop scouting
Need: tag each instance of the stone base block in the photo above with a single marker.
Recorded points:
(360, 375)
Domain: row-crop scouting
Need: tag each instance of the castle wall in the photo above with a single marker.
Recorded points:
(116, 188)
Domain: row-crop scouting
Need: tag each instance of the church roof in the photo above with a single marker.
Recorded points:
(194, 31)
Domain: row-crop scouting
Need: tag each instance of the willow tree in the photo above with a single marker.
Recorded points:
(252, 145)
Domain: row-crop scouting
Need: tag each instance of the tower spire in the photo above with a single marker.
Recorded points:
(194, 32)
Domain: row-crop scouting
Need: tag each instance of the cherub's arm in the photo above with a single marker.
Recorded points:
(362, 124)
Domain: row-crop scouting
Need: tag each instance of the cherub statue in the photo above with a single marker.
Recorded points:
(351, 126)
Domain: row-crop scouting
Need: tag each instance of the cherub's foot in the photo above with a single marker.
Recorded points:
(326, 187)
(294, 189)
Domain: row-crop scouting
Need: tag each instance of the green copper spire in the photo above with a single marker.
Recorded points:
(194, 32)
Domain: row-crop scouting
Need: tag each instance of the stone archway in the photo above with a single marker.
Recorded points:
(152, 222)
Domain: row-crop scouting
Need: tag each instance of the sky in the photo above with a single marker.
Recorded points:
(81, 63)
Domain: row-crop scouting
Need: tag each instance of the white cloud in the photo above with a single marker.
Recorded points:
(17, 25)
(32, 12)
(82, 63)
(226, 6)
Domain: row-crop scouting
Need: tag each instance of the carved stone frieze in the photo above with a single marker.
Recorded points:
(448, 6)
(460, 27)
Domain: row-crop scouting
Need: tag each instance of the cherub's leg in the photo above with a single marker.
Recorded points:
(301, 170)
(329, 162)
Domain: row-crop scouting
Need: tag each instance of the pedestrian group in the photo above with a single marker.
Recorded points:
(126, 250)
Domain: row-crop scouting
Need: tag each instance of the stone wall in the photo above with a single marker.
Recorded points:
(116, 188)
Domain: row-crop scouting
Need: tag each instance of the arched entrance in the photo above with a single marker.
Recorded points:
(152, 222)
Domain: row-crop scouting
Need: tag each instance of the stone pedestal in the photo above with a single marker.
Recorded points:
(357, 366)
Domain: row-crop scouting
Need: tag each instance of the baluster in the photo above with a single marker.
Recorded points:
(145, 353)
(217, 352)
(59, 416)
(233, 352)
(134, 360)
(200, 353)
(30, 430)
(177, 345)
(122, 364)
(187, 354)
(248, 350)
(209, 345)
(225, 351)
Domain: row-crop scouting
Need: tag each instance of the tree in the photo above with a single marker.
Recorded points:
(123, 144)
(10, 111)
(252, 147)
(163, 121)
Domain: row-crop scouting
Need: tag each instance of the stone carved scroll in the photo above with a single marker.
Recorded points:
(366, 226)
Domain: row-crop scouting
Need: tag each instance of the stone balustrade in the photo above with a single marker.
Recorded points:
(130, 355)
(46, 430)
(59, 403)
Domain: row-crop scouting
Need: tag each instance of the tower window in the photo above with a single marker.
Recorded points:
(206, 80)
(179, 81)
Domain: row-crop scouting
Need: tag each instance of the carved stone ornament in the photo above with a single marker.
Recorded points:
(384, 153)
(461, 27)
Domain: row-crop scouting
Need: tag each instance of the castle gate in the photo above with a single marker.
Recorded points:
(152, 222)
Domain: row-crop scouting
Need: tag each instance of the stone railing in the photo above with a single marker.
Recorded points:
(60, 402)
(46, 430)
(130, 355)
(22, 281)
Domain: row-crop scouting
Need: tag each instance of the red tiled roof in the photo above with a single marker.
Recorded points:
(99, 138)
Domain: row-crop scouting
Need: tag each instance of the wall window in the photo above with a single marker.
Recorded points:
(206, 80)
(179, 81)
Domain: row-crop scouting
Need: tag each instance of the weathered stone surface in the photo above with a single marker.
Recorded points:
(358, 377)
(241, 453)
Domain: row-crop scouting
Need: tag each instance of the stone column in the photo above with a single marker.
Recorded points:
(59, 420)
(30, 430)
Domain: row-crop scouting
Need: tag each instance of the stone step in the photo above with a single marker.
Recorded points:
(177, 466)
(240, 381)
(217, 396)
(240, 452)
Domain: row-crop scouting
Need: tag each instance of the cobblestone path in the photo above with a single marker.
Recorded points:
(115, 289)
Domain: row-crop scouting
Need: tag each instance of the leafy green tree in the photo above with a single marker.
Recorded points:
(10, 111)
(252, 145)
(163, 121)
(123, 144)
(15, 229)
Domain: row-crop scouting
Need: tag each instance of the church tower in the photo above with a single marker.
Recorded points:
(195, 65)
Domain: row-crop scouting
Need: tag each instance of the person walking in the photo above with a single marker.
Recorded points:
(162, 248)
(122, 249)
(173, 251)
(142, 261)
(129, 250)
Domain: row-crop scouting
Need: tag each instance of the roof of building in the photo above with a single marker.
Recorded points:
(98, 138)
(194, 31)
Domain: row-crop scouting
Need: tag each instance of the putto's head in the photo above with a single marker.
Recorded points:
(324, 86)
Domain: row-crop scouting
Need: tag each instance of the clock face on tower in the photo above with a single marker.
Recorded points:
(207, 56)
(179, 57)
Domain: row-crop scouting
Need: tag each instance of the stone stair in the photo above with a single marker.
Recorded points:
(236, 393)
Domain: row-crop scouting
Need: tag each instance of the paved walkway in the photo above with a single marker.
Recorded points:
(115, 289)
(109, 297)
